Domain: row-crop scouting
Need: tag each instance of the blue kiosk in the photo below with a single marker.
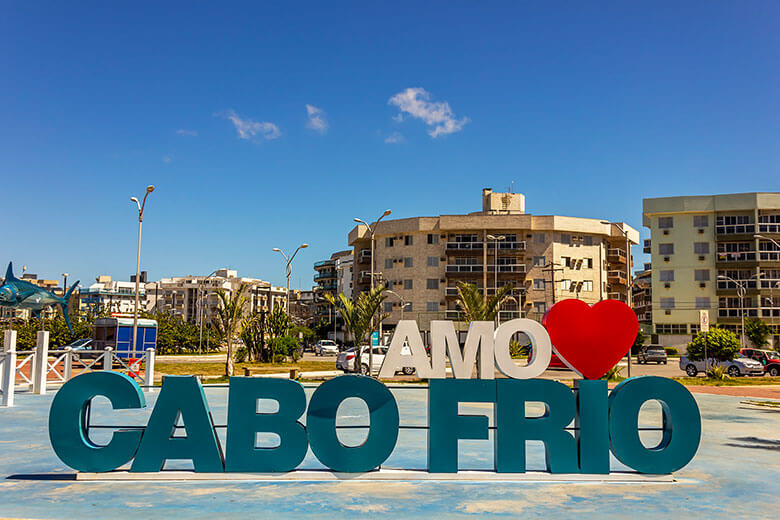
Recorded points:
(117, 333)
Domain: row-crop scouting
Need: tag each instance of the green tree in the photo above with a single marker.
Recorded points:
(357, 315)
(722, 344)
(758, 332)
(475, 306)
(228, 320)
(639, 341)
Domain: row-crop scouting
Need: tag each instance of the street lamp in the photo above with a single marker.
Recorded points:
(288, 268)
(141, 206)
(403, 302)
(741, 294)
(628, 277)
(371, 230)
(495, 239)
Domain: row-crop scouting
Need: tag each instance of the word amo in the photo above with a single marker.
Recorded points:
(603, 422)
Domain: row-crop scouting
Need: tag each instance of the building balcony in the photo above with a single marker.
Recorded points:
(454, 315)
(324, 263)
(616, 255)
(728, 285)
(737, 229)
(647, 247)
(325, 275)
(616, 296)
(743, 256)
(510, 246)
(466, 268)
(734, 312)
(329, 286)
(769, 256)
(507, 268)
(464, 246)
(618, 277)
(768, 228)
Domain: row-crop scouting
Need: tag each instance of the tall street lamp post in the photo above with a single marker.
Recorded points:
(141, 206)
(288, 268)
(371, 231)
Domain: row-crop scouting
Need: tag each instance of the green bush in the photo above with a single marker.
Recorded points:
(672, 351)
(718, 373)
(518, 351)
(758, 332)
(722, 344)
(284, 346)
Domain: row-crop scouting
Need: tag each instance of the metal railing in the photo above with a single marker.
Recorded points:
(736, 229)
(465, 268)
(743, 256)
(465, 245)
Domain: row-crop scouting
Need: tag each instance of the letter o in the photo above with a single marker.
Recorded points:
(540, 354)
(321, 424)
(681, 424)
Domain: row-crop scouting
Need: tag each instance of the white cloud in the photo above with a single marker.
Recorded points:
(395, 138)
(184, 131)
(436, 114)
(248, 128)
(317, 121)
(167, 159)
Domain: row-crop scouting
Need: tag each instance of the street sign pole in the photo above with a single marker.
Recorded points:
(704, 326)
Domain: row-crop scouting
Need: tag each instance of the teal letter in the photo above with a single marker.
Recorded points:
(68, 431)
(681, 424)
(514, 428)
(321, 424)
(592, 425)
(180, 397)
(244, 422)
(446, 426)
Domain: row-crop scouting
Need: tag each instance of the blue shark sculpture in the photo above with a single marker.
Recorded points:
(25, 295)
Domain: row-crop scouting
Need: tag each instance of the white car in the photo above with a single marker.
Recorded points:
(739, 366)
(346, 360)
(326, 347)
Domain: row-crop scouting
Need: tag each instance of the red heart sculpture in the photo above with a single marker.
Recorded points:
(591, 340)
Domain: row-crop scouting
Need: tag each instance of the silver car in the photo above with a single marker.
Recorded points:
(739, 366)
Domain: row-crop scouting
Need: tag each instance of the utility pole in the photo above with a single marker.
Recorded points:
(141, 206)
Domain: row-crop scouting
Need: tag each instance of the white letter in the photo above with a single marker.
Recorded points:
(540, 353)
(406, 332)
(478, 340)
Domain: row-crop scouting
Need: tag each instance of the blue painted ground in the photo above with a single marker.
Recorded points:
(735, 473)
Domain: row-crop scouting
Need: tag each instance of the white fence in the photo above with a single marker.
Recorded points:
(40, 367)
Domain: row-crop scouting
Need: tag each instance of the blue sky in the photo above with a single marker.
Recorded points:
(585, 107)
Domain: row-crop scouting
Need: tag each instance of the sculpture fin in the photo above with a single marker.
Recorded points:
(64, 304)
(9, 273)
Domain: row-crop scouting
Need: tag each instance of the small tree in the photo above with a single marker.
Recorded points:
(474, 305)
(357, 315)
(228, 321)
(722, 344)
(639, 341)
(757, 331)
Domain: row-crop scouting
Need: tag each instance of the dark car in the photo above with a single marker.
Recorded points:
(650, 353)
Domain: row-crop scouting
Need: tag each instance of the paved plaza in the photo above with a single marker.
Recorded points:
(734, 474)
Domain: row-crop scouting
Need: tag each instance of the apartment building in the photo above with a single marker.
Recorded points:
(111, 295)
(642, 297)
(705, 251)
(194, 297)
(546, 258)
(332, 276)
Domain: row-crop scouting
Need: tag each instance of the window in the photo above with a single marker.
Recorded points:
(701, 248)
(433, 261)
(665, 249)
(566, 261)
(702, 302)
(701, 275)
(540, 307)
(671, 328)
(565, 238)
(587, 263)
(539, 284)
(665, 222)
(408, 262)
(408, 284)
(667, 303)
(587, 285)
(433, 238)
(432, 306)
(408, 240)
(388, 263)
(538, 261)
(565, 285)
(666, 276)
(389, 241)
(539, 238)
(388, 306)
(432, 283)
(587, 240)
(701, 221)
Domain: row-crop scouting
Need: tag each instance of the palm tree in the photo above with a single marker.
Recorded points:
(358, 315)
(474, 304)
(229, 319)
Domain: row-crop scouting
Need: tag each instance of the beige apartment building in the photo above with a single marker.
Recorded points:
(696, 240)
(194, 297)
(546, 258)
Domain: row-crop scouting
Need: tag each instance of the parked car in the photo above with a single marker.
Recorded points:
(648, 353)
(85, 348)
(770, 359)
(739, 366)
(346, 360)
(326, 347)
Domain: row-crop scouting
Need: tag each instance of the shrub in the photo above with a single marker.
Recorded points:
(283, 346)
(718, 373)
(613, 374)
(722, 344)
(518, 351)
(757, 331)
(672, 351)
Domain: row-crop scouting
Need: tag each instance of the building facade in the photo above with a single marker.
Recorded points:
(642, 297)
(110, 295)
(706, 251)
(544, 258)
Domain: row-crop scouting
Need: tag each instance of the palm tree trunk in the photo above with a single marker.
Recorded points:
(229, 366)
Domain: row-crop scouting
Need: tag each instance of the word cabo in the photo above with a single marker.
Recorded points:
(603, 421)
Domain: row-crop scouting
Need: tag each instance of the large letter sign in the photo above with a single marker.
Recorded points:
(579, 427)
